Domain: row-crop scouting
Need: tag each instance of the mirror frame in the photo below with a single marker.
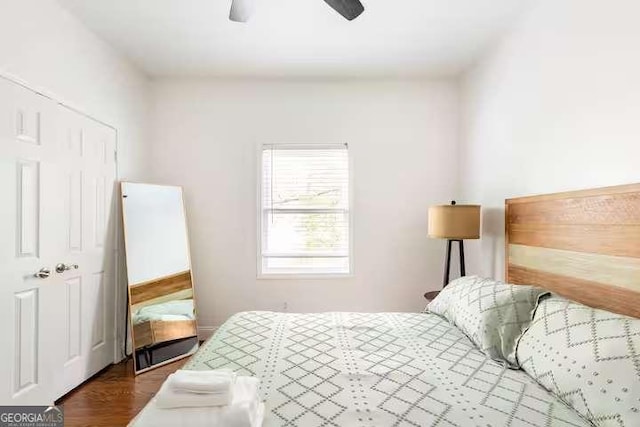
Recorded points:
(129, 320)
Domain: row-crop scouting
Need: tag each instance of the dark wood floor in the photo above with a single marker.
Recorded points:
(114, 396)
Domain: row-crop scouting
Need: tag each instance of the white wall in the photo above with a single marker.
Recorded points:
(555, 107)
(45, 46)
(403, 140)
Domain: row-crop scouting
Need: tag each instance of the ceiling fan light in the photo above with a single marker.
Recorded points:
(350, 9)
(241, 10)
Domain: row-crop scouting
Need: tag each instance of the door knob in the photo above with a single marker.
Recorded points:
(43, 273)
(61, 268)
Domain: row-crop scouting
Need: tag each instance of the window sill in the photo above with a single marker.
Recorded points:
(304, 276)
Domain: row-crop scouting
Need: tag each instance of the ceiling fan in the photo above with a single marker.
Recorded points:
(241, 10)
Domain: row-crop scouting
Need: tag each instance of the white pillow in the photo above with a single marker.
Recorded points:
(588, 358)
(492, 313)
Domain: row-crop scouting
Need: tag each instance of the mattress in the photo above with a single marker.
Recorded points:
(387, 369)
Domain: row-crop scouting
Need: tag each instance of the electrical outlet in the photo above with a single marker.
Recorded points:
(285, 307)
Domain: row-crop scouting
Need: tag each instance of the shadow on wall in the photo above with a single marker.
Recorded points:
(493, 242)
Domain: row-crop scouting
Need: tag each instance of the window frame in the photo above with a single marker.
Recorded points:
(260, 212)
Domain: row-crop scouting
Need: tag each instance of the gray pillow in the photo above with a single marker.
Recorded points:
(588, 358)
(493, 314)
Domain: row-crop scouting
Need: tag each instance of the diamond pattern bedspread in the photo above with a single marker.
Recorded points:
(386, 369)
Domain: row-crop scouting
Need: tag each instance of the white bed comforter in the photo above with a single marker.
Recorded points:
(387, 369)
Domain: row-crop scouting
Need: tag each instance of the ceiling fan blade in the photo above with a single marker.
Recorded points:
(350, 9)
(241, 10)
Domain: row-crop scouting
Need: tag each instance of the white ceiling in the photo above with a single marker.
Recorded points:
(299, 37)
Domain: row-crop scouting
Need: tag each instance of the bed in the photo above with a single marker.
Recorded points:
(162, 310)
(383, 369)
(417, 369)
(163, 322)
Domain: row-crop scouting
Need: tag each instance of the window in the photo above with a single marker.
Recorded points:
(304, 214)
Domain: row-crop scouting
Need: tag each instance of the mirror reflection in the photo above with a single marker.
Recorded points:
(161, 298)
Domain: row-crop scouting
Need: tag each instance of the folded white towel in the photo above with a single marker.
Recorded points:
(245, 410)
(216, 381)
(243, 393)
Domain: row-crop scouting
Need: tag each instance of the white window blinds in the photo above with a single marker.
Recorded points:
(305, 217)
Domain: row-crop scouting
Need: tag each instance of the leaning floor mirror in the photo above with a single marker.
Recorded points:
(160, 288)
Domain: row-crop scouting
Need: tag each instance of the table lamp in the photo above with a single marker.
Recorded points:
(454, 223)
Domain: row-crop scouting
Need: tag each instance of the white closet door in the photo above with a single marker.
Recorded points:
(89, 223)
(30, 215)
(56, 207)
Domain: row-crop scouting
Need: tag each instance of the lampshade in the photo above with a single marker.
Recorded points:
(455, 222)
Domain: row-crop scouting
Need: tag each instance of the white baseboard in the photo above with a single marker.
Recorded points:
(205, 332)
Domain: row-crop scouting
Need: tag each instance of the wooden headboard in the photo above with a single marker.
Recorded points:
(583, 245)
(162, 289)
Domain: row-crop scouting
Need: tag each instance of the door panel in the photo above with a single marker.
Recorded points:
(74, 211)
(26, 340)
(28, 204)
(28, 124)
(97, 302)
(101, 213)
(74, 319)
